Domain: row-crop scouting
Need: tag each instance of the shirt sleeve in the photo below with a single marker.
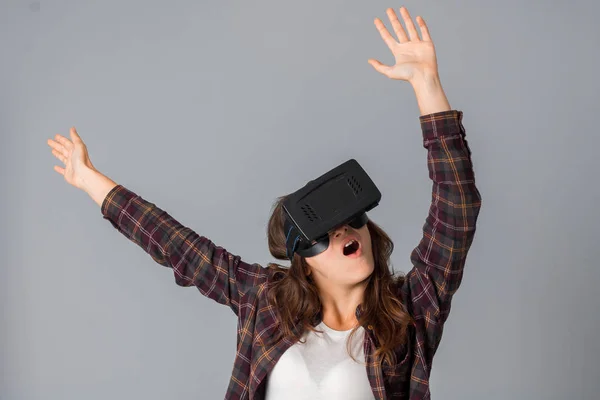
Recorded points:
(194, 259)
(439, 259)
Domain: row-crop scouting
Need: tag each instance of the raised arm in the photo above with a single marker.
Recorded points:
(194, 259)
(439, 259)
(449, 228)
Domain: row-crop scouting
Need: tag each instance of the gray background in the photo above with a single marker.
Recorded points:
(212, 109)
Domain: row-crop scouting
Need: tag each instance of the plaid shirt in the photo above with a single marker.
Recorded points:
(438, 263)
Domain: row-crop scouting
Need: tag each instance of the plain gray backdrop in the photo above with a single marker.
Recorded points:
(213, 109)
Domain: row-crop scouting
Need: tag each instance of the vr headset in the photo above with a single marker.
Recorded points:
(341, 196)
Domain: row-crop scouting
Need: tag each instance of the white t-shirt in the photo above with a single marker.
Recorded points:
(321, 369)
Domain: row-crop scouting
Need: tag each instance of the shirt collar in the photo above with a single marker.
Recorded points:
(318, 317)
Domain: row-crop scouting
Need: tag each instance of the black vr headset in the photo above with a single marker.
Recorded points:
(338, 197)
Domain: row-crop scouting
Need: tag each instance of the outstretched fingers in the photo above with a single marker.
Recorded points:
(410, 26)
(56, 146)
(424, 29)
(385, 34)
(398, 29)
(66, 143)
(401, 33)
(61, 147)
(60, 156)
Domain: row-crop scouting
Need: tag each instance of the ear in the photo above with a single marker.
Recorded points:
(306, 267)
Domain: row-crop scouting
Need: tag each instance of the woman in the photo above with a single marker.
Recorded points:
(329, 326)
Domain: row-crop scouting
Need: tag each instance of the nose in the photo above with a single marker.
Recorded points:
(341, 230)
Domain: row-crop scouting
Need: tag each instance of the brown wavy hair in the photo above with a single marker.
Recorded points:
(296, 299)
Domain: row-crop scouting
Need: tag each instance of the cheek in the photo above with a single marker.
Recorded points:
(366, 235)
(329, 255)
(322, 262)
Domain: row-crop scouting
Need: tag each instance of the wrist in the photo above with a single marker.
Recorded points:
(429, 92)
(86, 178)
(426, 82)
(96, 185)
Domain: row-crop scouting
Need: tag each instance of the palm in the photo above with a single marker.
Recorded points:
(74, 155)
(413, 55)
(73, 165)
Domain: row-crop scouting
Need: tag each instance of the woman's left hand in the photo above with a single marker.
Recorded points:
(415, 57)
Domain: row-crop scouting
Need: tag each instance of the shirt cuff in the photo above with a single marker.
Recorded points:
(115, 201)
(443, 123)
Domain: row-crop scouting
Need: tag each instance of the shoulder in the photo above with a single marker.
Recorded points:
(271, 274)
(275, 273)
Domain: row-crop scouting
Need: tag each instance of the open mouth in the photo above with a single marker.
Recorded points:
(351, 247)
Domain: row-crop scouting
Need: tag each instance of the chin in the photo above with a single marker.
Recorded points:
(363, 270)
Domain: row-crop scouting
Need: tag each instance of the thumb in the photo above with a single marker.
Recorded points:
(379, 67)
(74, 135)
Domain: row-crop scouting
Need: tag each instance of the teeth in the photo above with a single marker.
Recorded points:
(350, 242)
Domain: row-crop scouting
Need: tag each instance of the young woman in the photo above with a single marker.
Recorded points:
(330, 326)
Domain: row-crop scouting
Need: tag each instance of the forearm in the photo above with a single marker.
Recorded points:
(97, 186)
(194, 259)
(450, 225)
(430, 94)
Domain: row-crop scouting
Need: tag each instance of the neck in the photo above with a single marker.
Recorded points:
(339, 305)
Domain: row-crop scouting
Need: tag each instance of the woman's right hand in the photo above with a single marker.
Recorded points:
(74, 155)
